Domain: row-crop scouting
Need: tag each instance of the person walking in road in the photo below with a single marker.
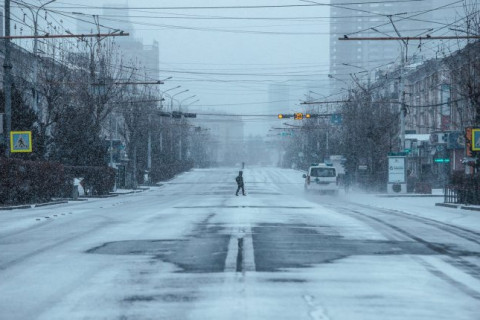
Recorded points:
(240, 184)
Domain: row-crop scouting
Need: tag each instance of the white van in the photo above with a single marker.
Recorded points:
(321, 177)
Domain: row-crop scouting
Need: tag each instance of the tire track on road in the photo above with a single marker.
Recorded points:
(458, 262)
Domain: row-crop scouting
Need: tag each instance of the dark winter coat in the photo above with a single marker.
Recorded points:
(239, 179)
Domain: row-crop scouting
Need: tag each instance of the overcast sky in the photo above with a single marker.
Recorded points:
(227, 57)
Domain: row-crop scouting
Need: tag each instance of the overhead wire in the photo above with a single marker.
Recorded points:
(243, 7)
(213, 73)
(399, 18)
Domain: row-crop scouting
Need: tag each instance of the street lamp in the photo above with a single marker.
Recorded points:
(180, 104)
(171, 89)
(180, 136)
(35, 48)
(176, 94)
(338, 79)
(161, 94)
(191, 103)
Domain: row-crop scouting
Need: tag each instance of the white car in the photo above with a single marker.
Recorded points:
(321, 177)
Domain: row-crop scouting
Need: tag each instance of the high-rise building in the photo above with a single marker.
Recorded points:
(371, 19)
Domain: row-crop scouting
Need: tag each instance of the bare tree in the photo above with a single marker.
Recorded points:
(370, 125)
(52, 86)
(100, 78)
(94, 86)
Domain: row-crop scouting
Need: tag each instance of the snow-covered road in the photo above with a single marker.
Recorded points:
(191, 249)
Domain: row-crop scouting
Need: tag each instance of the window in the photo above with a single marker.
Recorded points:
(323, 172)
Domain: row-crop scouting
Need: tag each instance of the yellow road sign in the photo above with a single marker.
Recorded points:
(21, 141)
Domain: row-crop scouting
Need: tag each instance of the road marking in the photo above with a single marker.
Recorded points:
(248, 254)
(240, 257)
(231, 260)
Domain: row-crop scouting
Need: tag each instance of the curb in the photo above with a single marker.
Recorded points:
(27, 206)
(447, 205)
(470, 208)
(138, 190)
(82, 198)
(458, 206)
(111, 195)
(34, 205)
(410, 195)
(49, 203)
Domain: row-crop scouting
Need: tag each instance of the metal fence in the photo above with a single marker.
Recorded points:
(466, 194)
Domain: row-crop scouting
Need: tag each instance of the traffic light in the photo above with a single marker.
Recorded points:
(298, 116)
(179, 114)
(176, 114)
(283, 116)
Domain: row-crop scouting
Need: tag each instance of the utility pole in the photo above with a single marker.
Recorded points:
(180, 136)
(111, 142)
(149, 147)
(7, 86)
(403, 109)
(35, 50)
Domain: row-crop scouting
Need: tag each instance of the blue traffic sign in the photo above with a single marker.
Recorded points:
(20, 141)
(336, 118)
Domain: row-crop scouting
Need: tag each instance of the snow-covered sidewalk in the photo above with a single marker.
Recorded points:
(424, 206)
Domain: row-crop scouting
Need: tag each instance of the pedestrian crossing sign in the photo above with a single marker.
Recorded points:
(475, 139)
(20, 141)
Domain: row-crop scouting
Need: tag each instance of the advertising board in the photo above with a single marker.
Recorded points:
(396, 169)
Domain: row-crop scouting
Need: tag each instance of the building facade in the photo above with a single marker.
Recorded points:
(440, 99)
(370, 19)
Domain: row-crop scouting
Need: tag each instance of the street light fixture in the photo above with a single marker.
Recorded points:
(171, 89)
(181, 102)
(162, 93)
(192, 103)
(188, 98)
(176, 94)
(338, 79)
(35, 48)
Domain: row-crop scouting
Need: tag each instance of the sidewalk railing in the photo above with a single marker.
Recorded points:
(462, 194)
